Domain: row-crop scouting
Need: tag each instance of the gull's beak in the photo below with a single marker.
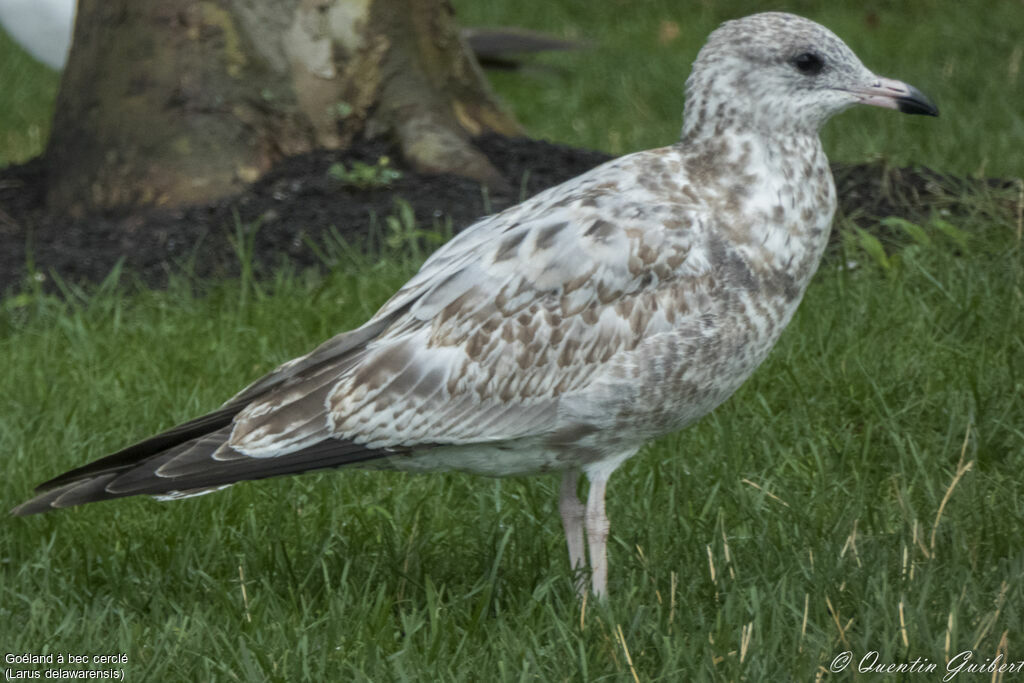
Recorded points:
(893, 94)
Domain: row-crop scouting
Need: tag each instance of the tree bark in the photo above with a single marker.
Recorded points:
(173, 102)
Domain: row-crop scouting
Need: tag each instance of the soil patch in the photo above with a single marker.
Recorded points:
(300, 205)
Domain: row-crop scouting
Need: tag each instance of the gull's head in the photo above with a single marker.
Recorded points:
(781, 73)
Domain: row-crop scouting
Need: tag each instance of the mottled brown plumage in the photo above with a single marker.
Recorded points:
(565, 332)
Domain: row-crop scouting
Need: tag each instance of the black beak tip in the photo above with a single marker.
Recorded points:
(915, 102)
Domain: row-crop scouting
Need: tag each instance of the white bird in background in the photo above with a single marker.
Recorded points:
(565, 332)
(43, 27)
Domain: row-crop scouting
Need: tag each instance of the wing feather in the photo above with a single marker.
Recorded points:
(525, 308)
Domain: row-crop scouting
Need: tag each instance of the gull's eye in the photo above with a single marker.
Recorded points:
(808, 63)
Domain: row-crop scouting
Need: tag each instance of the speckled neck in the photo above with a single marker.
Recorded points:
(773, 198)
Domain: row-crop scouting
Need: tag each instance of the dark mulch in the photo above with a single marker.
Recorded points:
(298, 204)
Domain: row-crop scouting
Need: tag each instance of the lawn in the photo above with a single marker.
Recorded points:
(859, 494)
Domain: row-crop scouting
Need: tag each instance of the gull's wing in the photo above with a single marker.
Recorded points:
(524, 308)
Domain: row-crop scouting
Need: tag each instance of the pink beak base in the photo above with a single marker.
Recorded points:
(893, 94)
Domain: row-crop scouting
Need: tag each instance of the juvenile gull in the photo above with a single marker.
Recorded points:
(563, 333)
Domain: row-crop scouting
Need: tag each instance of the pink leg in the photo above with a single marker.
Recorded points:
(572, 519)
(597, 534)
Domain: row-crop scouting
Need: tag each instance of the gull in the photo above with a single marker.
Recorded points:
(43, 27)
(563, 333)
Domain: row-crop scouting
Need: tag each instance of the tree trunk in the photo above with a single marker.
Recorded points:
(174, 102)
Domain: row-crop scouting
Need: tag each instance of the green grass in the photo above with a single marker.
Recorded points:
(29, 91)
(820, 483)
(860, 493)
